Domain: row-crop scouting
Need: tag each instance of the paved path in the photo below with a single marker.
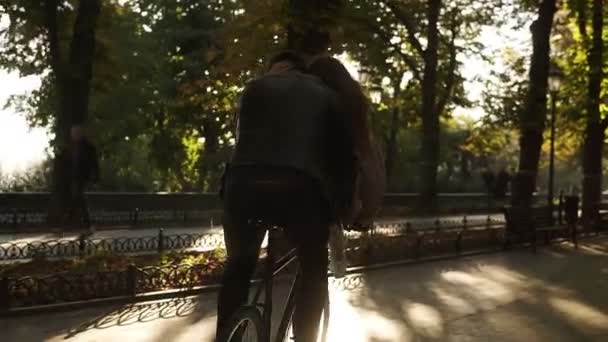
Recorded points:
(557, 295)
(208, 229)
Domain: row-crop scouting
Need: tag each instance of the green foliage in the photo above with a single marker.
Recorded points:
(167, 75)
(104, 261)
(36, 178)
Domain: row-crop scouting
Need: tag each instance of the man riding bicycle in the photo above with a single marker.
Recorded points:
(293, 167)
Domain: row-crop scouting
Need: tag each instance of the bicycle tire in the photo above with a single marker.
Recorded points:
(245, 314)
(288, 337)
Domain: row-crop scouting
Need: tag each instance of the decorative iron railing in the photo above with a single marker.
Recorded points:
(84, 246)
(121, 245)
(392, 242)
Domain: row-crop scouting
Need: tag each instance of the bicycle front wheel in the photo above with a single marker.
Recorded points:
(246, 325)
(323, 328)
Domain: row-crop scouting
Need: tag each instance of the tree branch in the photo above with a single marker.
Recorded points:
(82, 50)
(408, 22)
(581, 18)
(410, 61)
(451, 72)
(56, 61)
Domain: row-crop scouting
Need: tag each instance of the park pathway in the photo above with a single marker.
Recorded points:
(560, 294)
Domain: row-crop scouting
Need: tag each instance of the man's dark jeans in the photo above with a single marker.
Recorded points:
(78, 209)
(288, 199)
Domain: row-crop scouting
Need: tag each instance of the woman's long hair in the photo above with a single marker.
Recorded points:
(352, 99)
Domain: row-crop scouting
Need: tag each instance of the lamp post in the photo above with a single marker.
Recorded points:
(555, 79)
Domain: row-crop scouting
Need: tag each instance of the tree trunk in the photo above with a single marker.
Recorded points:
(594, 132)
(82, 50)
(532, 121)
(430, 119)
(391, 145)
(72, 84)
(391, 136)
(60, 173)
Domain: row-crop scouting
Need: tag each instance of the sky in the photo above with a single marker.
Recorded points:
(22, 146)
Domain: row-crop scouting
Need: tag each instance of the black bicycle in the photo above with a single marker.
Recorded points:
(252, 322)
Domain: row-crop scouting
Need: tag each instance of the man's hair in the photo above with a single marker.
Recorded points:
(288, 56)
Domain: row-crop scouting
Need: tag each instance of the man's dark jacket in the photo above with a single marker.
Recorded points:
(85, 165)
(292, 120)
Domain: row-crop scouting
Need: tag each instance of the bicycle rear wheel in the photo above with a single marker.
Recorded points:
(246, 325)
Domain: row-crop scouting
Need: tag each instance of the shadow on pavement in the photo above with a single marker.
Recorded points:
(557, 295)
(139, 313)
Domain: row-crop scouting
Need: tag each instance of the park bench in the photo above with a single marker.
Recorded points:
(528, 223)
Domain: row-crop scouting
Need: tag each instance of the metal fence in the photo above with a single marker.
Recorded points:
(386, 243)
(71, 287)
(141, 209)
(83, 246)
(121, 245)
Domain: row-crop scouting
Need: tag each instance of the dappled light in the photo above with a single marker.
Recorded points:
(481, 287)
(453, 301)
(348, 323)
(517, 295)
(580, 313)
(595, 250)
(424, 319)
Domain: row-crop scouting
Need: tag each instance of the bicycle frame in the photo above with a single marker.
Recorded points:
(271, 270)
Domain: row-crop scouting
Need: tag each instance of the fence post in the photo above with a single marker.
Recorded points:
(161, 240)
(135, 216)
(418, 241)
(459, 236)
(560, 208)
(5, 303)
(81, 245)
(16, 217)
(493, 234)
(131, 280)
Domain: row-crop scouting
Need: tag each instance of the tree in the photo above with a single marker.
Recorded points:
(429, 152)
(595, 126)
(393, 39)
(309, 23)
(59, 35)
(532, 120)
